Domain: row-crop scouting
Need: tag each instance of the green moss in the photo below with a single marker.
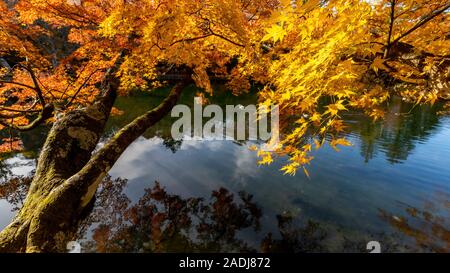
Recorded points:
(92, 189)
(95, 113)
(87, 139)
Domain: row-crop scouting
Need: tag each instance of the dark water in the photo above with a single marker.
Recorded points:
(391, 186)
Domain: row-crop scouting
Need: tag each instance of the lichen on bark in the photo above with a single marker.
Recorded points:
(68, 174)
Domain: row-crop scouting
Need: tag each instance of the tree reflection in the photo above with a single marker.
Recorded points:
(14, 190)
(305, 239)
(397, 135)
(428, 227)
(172, 144)
(163, 222)
(5, 171)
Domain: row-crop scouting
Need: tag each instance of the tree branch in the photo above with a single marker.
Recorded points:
(18, 84)
(36, 85)
(80, 88)
(212, 33)
(104, 159)
(422, 22)
(391, 26)
(72, 82)
(224, 38)
(46, 113)
(25, 111)
(191, 39)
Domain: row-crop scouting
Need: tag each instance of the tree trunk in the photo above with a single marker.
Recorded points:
(67, 149)
(67, 174)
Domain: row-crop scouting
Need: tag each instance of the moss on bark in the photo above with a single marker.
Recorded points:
(67, 175)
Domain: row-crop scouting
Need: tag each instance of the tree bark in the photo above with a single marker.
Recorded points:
(67, 174)
(68, 147)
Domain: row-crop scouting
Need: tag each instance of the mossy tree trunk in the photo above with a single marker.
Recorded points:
(68, 172)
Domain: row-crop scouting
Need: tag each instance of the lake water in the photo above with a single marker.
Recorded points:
(391, 186)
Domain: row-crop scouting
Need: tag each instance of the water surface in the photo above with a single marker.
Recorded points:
(392, 185)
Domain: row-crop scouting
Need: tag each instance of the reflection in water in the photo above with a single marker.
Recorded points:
(5, 171)
(404, 125)
(429, 227)
(397, 135)
(163, 222)
(347, 202)
(15, 190)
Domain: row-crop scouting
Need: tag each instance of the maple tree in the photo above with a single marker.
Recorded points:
(68, 62)
(334, 56)
(64, 62)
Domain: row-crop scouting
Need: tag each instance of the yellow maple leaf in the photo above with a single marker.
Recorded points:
(378, 63)
(339, 141)
(275, 33)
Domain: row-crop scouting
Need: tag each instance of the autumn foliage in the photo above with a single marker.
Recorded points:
(315, 59)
